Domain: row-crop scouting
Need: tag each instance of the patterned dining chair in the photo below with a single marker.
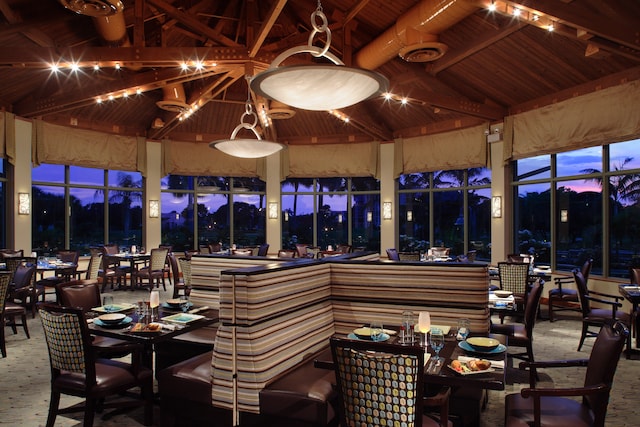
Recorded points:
(385, 401)
(75, 370)
(514, 277)
(154, 272)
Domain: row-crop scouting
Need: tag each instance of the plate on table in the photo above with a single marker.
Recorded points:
(501, 348)
(353, 336)
(502, 294)
(182, 318)
(174, 306)
(146, 328)
(124, 322)
(468, 368)
(115, 308)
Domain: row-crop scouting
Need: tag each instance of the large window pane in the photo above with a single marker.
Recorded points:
(414, 221)
(533, 221)
(579, 162)
(332, 220)
(624, 155)
(48, 173)
(86, 220)
(48, 219)
(448, 221)
(214, 219)
(365, 210)
(177, 220)
(531, 168)
(414, 181)
(86, 176)
(249, 219)
(479, 223)
(297, 219)
(579, 225)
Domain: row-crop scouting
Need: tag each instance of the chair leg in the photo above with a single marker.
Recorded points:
(53, 408)
(24, 325)
(89, 411)
(550, 302)
(585, 329)
(3, 346)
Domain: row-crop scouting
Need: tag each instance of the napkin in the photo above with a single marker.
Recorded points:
(89, 320)
(499, 364)
(389, 332)
(199, 309)
(168, 327)
(427, 356)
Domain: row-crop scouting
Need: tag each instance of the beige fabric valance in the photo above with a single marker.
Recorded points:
(197, 158)
(331, 160)
(602, 117)
(459, 149)
(68, 146)
(8, 137)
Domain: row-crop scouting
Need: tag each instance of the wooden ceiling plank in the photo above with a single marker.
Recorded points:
(453, 57)
(138, 23)
(577, 15)
(266, 27)
(193, 23)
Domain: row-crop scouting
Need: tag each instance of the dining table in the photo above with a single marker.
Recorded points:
(631, 292)
(172, 322)
(135, 260)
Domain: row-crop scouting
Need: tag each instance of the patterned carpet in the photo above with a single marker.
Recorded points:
(24, 373)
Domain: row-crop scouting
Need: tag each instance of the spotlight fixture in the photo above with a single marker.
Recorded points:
(317, 87)
(247, 148)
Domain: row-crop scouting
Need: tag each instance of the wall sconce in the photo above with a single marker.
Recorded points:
(273, 210)
(564, 215)
(386, 210)
(154, 209)
(24, 204)
(496, 207)
(409, 216)
(369, 216)
(286, 216)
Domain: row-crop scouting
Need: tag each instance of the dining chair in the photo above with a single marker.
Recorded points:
(23, 288)
(393, 255)
(185, 284)
(409, 256)
(382, 384)
(167, 263)
(344, 248)
(558, 406)
(286, 253)
(302, 252)
(93, 268)
(596, 316)
(152, 273)
(76, 371)
(563, 299)
(4, 289)
(521, 334)
(514, 277)
(112, 272)
(85, 295)
(60, 274)
(214, 247)
(244, 252)
(263, 249)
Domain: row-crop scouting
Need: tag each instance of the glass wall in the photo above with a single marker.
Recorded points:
(331, 211)
(210, 199)
(446, 208)
(572, 205)
(76, 208)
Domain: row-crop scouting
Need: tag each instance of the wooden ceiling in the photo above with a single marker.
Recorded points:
(495, 63)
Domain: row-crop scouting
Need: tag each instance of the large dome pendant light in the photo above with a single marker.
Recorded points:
(317, 87)
(247, 148)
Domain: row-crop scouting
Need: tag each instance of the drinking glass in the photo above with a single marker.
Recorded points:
(437, 343)
(406, 329)
(142, 310)
(463, 329)
(154, 302)
(107, 303)
(376, 331)
(184, 303)
(424, 325)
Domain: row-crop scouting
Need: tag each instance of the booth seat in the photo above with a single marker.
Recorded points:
(276, 319)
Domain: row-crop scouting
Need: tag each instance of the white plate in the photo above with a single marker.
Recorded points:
(471, 372)
(353, 336)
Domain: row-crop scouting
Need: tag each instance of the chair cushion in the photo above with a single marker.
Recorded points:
(556, 412)
(110, 375)
(190, 378)
(515, 331)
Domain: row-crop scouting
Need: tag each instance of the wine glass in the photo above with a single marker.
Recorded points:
(154, 302)
(437, 343)
(107, 303)
(376, 331)
(424, 325)
(463, 329)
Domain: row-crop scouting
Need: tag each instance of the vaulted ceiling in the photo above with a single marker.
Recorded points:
(463, 64)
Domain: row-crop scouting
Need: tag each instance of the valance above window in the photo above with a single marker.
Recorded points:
(602, 117)
(331, 160)
(459, 149)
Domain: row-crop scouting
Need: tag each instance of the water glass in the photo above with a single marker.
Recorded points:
(436, 340)
(184, 303)
(142, 310)
(107, 304)
(407, 328)
(376, 331)
(463, 329)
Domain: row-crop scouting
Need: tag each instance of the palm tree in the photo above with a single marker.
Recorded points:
(125, 197)
(621, 187)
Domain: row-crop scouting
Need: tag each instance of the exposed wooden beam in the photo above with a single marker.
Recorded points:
(266, 26)
(193, 23)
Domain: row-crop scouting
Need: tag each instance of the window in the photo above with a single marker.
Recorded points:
(446, 208)
(210, 198)
(331, 211)
(591, 201)
(76, 207)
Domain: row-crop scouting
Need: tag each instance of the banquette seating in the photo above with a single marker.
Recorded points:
(276, 319)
